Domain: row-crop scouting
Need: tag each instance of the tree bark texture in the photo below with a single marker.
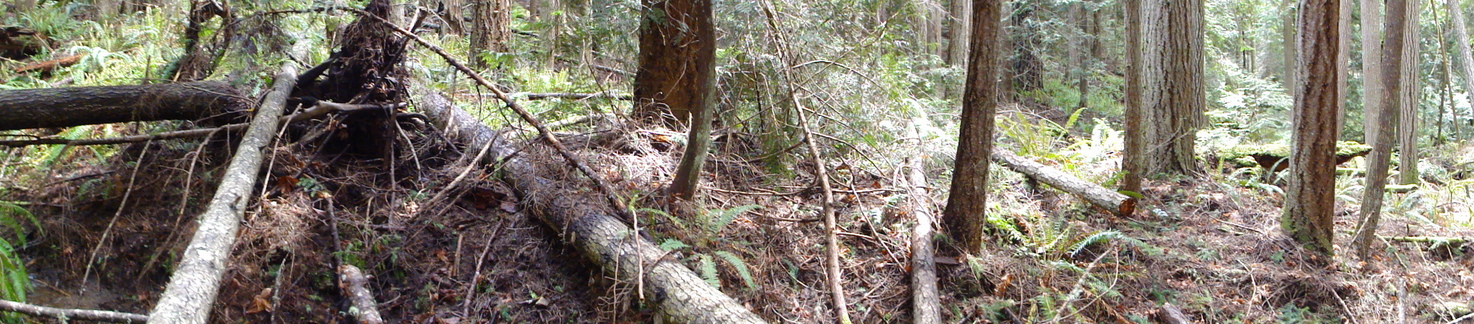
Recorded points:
(1371, 66)
(1172, 95)
(62, 107)
(1377, 160)
(1310, 197)
(967, 200)
(195, 283)
(1288, 43)
(959, 24)
(354, 283)
(926, 303)
(1412, 97)
(676, 38)
(1343, 60)
(491, 25)
(1110, 200)
(71, 314)
(701, 45)
(593, 228)
(1466, 59)
(1132, 160)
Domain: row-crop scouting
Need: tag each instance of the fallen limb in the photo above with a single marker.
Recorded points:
(72, 314)
(63, 107)
(353, 282)
(1111, 200)
(196, 281)
(48, 66)
(680, 295)
(573, 95)
(320, 109)
(925, 301)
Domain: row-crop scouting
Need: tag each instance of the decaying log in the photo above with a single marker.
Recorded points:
(1111, 200)
(925, 302)
(48, 66)
(72, 314)
(196, 281)
(63, 107)
(353, 282)
(322, 108)
(594, 228)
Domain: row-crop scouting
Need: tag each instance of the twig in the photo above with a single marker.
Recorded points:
(64, 314)
(542, 130)
(1461, 319)
(831, 230)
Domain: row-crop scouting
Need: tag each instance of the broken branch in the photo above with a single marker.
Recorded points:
(72, 314)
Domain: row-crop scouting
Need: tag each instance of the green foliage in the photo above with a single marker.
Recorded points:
(708, 270)
(737, 263)
(724, 217)
(14, 281)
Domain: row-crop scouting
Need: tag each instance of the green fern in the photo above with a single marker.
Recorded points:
(709, 270)
(741, 267)
(672, 245)
(725, 217)
(1093, 239)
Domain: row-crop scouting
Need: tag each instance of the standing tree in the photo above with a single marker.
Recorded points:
(1377, 160)
(1407, 116)
(1287, 38)
(491, 23)
(676, 81)
(1466, 59)
(1131, 164)
(1172, 95)
(1310, 198)
(1371, 65)
(1025, 70)
(957, 26)
(968, 199)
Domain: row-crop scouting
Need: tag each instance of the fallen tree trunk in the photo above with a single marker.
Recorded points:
(1111, 200)
(71, 314)
(593, 227)
(355, 284)
(62, 107)
(925, 302)
(196, 281)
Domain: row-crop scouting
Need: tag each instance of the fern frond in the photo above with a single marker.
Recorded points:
(725, 217)
(741, 267)
(709, 270)
(1093, 239)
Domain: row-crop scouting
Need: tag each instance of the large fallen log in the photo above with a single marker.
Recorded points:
(63, 107)
(592, 226)
(1111, 200)
(196, 281)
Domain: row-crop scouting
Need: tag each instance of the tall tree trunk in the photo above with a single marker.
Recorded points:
(931, 19)
(1377, 160)
(669, 84)
(1080, 52)
(1024, 67)
(1132, 160)
(967, 200)
(1173, 97)
(1412, 98)
(701, 43)
(1343, 60)
(491, 24)
(1287, 34)
(958, 25)
(1466, 60)
(1310, 198)
(1371, 66)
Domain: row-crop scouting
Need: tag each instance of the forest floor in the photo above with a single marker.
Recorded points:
(1205, 244)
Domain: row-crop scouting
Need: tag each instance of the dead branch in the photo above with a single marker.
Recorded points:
(196, 281)
(48, 66)
(542, 130)
(65, 314)
(573, 95)
(1111, 200)
(353, 282)
(925, 301)
(322, 108)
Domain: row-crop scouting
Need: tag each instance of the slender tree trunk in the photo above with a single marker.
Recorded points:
(1173, 97)
(959, 25)
(968, 198)
(1412, 98)
(1132, 159)
(1371, 66)
(1376, 179)
(1310, 197)
(702, 43)
(1287, 34)
(1343, 60)
(1466, 59)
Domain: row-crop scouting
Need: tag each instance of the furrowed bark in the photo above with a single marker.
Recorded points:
(594, 228)
(196, 282)
(71, 314)
(62, 107)
(1115, 202)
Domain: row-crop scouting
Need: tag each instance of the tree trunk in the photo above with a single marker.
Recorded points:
(958, 23)
(1110, 200)
(1376, 179)
(1310, 197)
(1024, 70)
(1132, 159)
(967, 201)
(1466, 59)
(1371, 66)
(670, 83)
(1173, 98)
(593, 228)
(491, 25)
(1343, 60)
(925, 302)
(1287, 37)
(62, 107)
(1412, 98)
(195, 283)
(703, 64)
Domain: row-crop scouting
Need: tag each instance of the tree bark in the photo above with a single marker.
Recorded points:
(1173, 98)
(1371, 66)
(1310, 197)
(1466, 59)
(1376, 179)
(967, 203)
(925, 302)
(1117, 203)
(491, 25)
(959, 23)
(62, 107)
(195, 283)
(675, 61)
(71, 314)
(682, 296)
(1288, 43)
(1412, 98)
(702, 64)
(355, 284)
(1024, 70)
(1132, 159)
(1343, 60)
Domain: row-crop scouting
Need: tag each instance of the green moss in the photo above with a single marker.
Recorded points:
(1251, 155)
